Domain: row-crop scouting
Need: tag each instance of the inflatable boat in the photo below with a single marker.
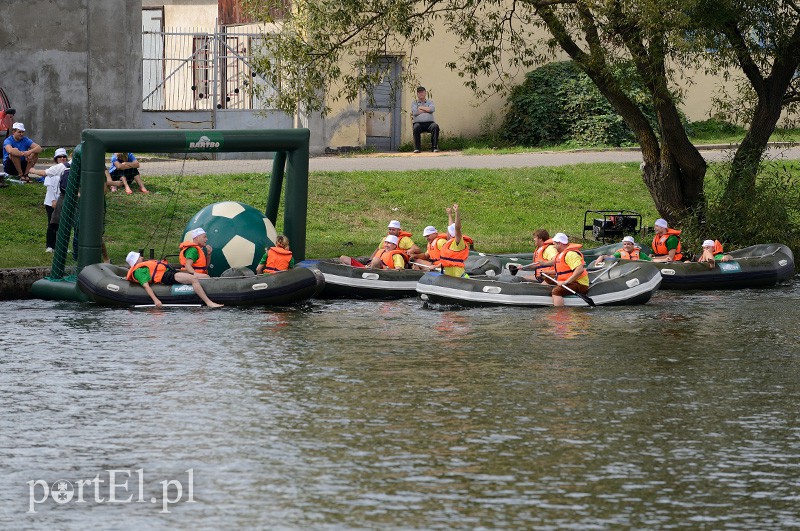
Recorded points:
(628, 284)
(756, 266)
(344, 281)
(106, 284)
(503, 260)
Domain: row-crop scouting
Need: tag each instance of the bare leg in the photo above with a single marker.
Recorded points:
(124, 181)
(188, 278)
(17, 162)
(33, 160)
(138, 179)
(558, 300)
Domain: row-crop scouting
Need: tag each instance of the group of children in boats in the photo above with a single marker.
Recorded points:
(556, 261)
(194, 259)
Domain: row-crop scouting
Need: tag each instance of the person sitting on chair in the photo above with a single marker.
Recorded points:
(422, 120)
(146, 272)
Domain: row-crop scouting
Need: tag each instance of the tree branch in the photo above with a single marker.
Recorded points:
(743, 56)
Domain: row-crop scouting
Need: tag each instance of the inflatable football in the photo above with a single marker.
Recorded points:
(237, 233)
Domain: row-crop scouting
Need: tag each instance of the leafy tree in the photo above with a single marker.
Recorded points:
(329, 49)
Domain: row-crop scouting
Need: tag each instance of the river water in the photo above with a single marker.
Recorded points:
(682, 413)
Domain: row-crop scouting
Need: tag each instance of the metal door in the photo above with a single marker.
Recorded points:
(383, 112)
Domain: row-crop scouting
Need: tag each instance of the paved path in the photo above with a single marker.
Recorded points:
(427, 161)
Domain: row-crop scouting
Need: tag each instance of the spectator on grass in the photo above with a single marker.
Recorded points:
(20, 153)
(125, 167)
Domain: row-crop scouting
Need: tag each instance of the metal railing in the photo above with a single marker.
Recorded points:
(192, 69)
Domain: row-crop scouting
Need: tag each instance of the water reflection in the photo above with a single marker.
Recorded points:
(680, 413)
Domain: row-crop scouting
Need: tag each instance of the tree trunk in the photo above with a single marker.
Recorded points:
(746, 161)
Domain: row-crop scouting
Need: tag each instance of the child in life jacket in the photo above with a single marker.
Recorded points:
(276, 258)
(712, 253)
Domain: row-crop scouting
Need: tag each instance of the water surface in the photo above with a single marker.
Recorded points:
(678, 414)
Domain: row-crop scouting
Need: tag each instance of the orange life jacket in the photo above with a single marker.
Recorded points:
(538, 256)
(433, 250)
(660, 244)
(563, 271)
(403, 234)
(450, 258)
(625, 255)
(157, 269)
(201, 264)
(717, 247)
(387, 258)
(278, 259)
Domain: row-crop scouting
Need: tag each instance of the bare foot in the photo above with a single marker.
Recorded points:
(215, 305)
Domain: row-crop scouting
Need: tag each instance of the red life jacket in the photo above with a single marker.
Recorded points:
(450, 258)
(563, 271)
(201, 264)
(660, 244)
(157, 269)
(278, 259)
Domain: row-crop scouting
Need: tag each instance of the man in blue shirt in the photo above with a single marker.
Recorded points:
(20, 153)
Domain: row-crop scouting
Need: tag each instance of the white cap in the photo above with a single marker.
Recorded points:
(628, 239)
(60, 152)
(18, 126)
(132, 257)
(708, 243)
(197, 232)
(661, 222)
(430, 229)
(560, 238)
(392, 239)
(394, 224)
(451, 229)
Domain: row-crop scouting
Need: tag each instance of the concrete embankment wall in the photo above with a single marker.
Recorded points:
(16, 283)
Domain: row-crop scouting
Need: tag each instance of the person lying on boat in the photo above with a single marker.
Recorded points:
(570, 270)
(431, 257)
(666, 242)
(194, 254)
(276, 258)
(146, 272)
(545, 251)
(629, 251)
(712, 253)
(455, 250)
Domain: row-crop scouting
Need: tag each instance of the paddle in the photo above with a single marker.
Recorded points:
(429, 266)
(588, 300)
(168, 306)
(603, 273)
(514, 269)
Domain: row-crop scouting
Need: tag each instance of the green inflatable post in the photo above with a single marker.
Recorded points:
(291, 147)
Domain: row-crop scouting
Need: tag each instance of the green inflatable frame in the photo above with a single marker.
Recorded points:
(291, 147)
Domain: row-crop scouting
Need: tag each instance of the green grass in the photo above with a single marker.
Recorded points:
(348, 211)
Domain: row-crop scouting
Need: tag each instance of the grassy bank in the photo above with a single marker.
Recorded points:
(348, 212)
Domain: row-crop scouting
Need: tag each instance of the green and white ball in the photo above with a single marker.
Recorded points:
(237, 233)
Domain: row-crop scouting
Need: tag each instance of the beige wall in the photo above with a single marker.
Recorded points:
(458, 111)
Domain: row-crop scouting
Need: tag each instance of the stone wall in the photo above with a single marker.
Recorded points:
(16, 283)
(69, 65)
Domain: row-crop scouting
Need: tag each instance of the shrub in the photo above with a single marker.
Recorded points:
(559, 103)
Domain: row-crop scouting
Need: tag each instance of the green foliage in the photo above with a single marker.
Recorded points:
(714, 129)
(770, 215)
(559, 103)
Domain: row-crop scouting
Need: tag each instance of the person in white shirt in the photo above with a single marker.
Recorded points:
(52, 178)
